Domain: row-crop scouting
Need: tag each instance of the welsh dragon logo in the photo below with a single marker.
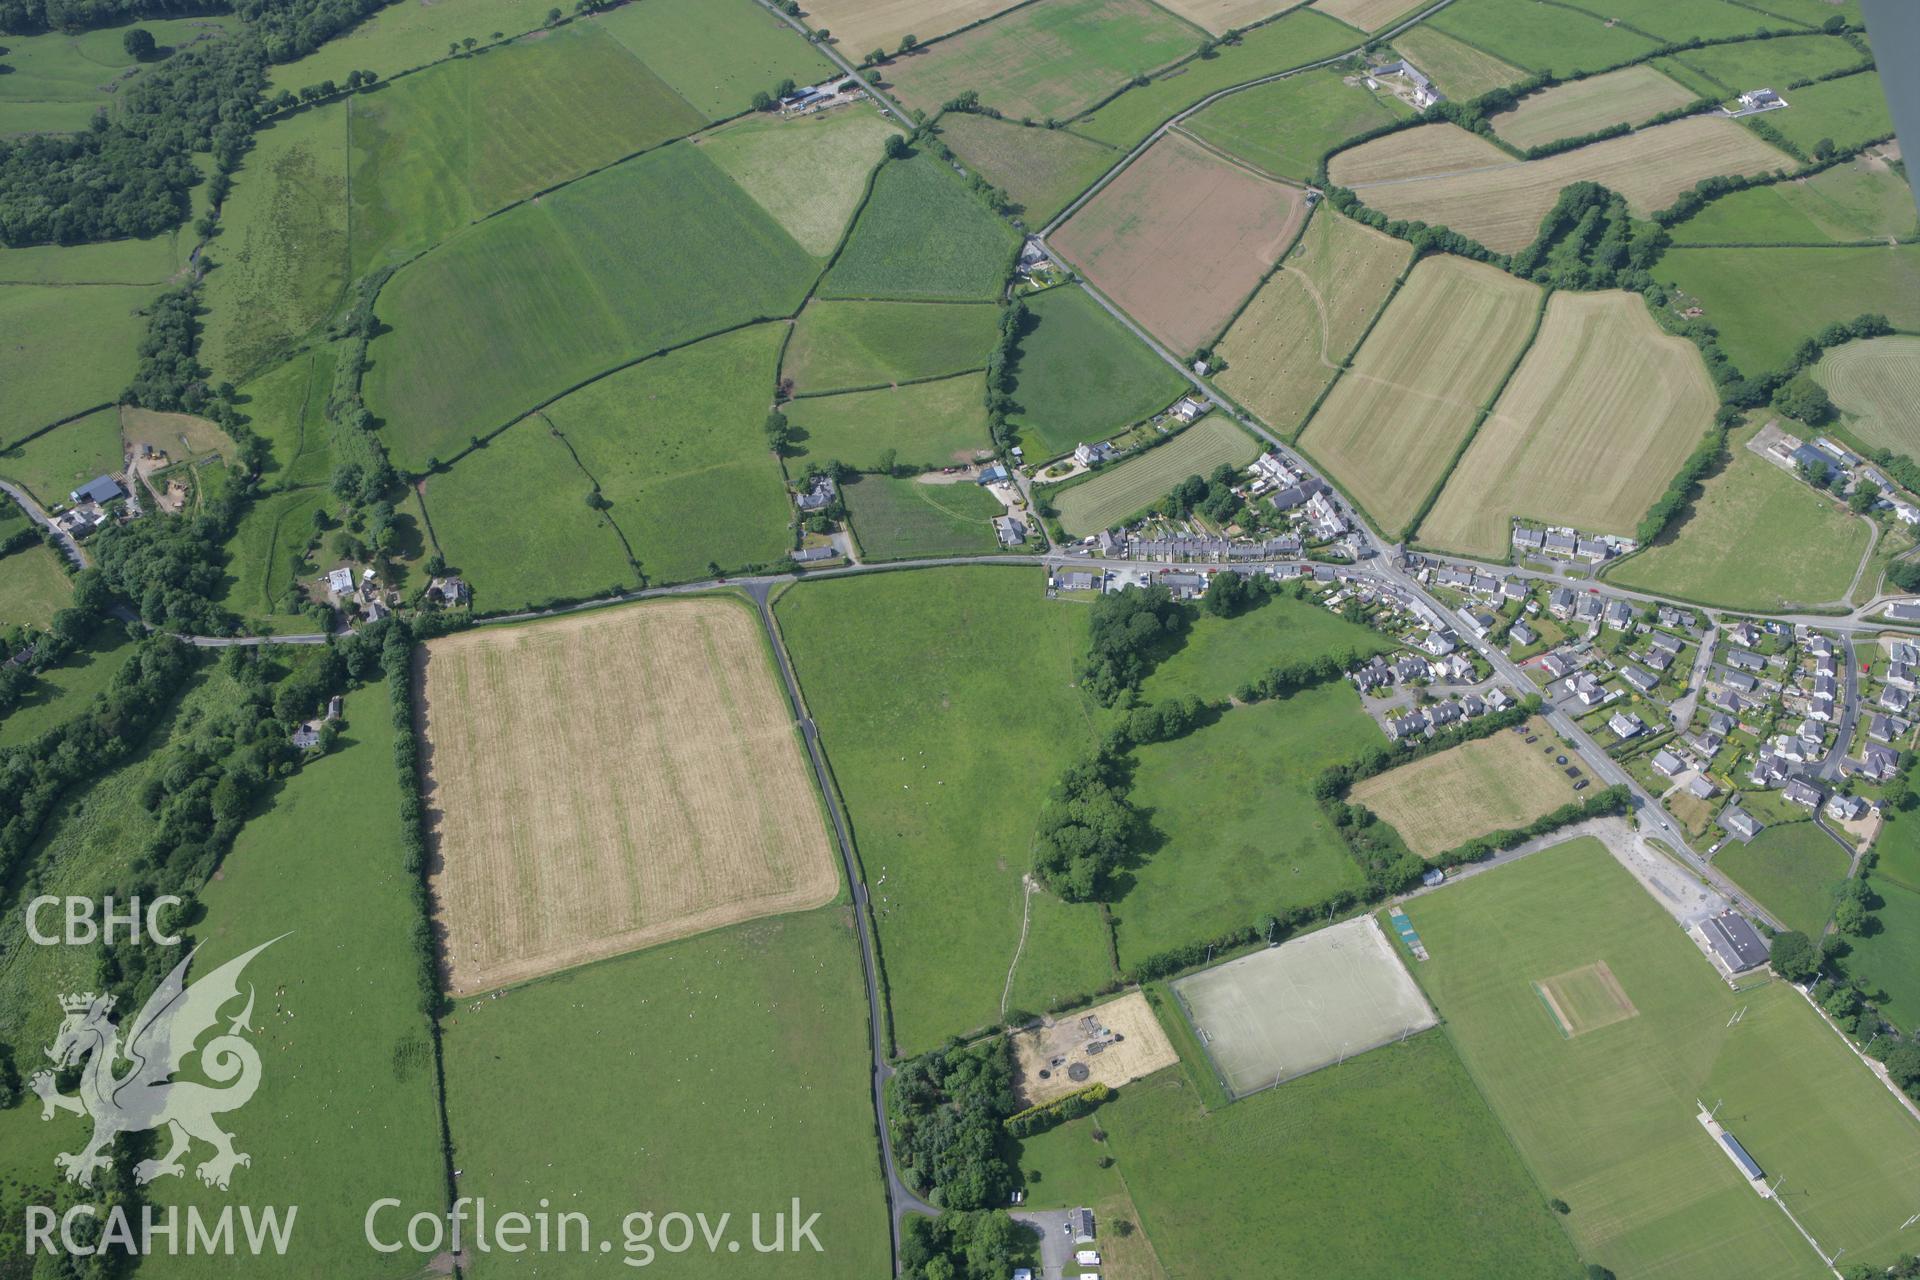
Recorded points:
(145, 1095)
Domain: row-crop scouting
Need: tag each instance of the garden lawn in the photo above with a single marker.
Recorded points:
(841, 346)
(1045, 60)
(1217, 655)
(347, 1110)
(1294, 39)
(33, 587)
(1560, 40)
(403, 37)
(1755, 538)
(1746, 293)
(809, 174)
(1388, 1164)
(1862, 199)
(677, 445)
(646, 256)
(922, 236)
(267, 559)
(1876, 383)
(1888, 959)
(1791, 869)
(1125, 488)
(1303, 324)
(288, 407)
(1285, 127)
(283, 244)
(905, 519)
(733, 1079)
(1462, 71)
(716, 53)
(1605, 1119)
(922, 424)
(554, 548)
(53, 465)
(1236, 833)
(1042, 170)
(1082, 376)
(60, 693)
(946, 704)
(62, 351)
(435, 151)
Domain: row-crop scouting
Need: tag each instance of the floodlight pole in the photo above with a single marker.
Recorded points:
(1715, 1113)
(1910, 1221)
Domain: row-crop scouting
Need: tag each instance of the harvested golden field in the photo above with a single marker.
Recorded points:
(1451, 797)
(1501, 205)
(860, 25)
(1218, 16)
(1393, 423)
(1423, 151)
(1368, 15)
(1308, 317)
(1589, 432)
(610, 781)
(1627, 96)
(1181, 237)
(1138, 1047)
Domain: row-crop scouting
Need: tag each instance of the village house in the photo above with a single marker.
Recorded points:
(1745, 660)
(817, 496)
(1522, 635)
(813, 555)
(1668, 764)
(1846, 808)
(1639, 679)
(1760, 100)
(1189, 408)
(1093, 455)
(1325, 517)
(1740, 823)
(1011, 530)
(1625, 724)
(1659, 659)
(1560, 603)
(1744, 635)
(1805, 794)
(1903, 610)
(1588, 690)
(1699, 788)
(1528, 539)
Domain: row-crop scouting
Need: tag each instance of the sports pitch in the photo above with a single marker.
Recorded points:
(1306, 1004)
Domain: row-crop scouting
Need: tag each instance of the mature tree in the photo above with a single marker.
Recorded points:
(897, 147)
(779, 433)
(139, 44)
(1805, 399)
(1793, 957)
(1865, 494)
(762, 100)
(908, 43)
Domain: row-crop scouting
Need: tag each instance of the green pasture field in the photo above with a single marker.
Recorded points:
(1236, 832)
(1756, 538)
(53, 465)
(1082, 376)
(348, 1098)
(716, 53)
(1888, 959)
(1897, 852)
(1862, 199)
(1047, 60)
(1560, 40)
(402, 37)
(945, 734)
(904, 519)
(1460, 70)
(1285, 127)
(283, 244)
(33, 587)
(736, 1082)
(1791, 869)
(1631, 95)
(1812, 12)
(61, 692)
(922, 236)
(1283, 349)
(151, 261)
(1041, 170)
(1388, 1161)
(64, 350)
(934, 424)
(267, 559)
(1708, 19)
(1133, 484)
(1766, 301)
(1847, 112)
(57, 81)
(1293, 40)
(646, 256)
(1876, 383)
(1218, 655)
(678, 447)
(288, 407)
(1731, 69)
(843, 345)
(89, 843)
(809, 174)
(442, 148)
(1605, 1120)
(557, 547)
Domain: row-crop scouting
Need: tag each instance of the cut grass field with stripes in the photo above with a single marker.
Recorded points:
(1137, 483)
